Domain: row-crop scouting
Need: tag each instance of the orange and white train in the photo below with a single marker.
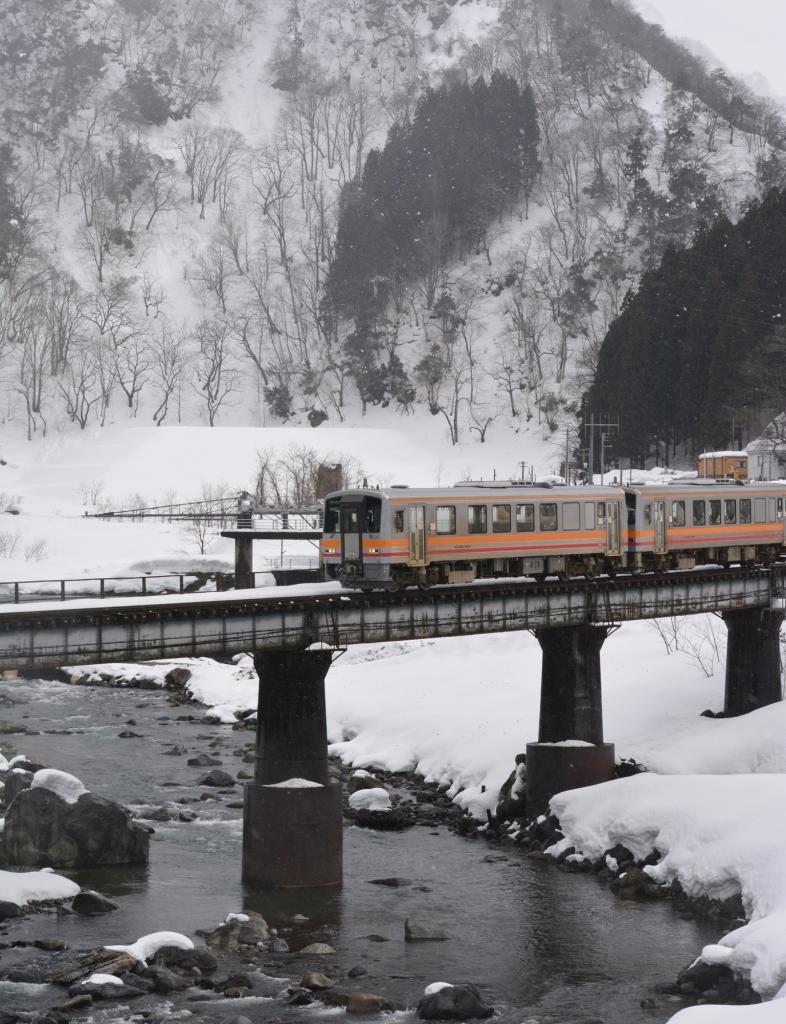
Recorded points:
(401, 536)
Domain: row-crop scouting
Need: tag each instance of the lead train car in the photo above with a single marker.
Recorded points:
(400, 536)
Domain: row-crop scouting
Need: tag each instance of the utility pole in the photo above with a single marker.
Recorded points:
(604, 426)
(567, 455)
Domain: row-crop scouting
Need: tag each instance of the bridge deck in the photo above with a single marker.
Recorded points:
(50, 634)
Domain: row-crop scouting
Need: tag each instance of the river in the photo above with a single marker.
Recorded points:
(541, 944)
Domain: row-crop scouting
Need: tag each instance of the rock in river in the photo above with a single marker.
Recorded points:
(453, 1002)
(89, 902)
(42, 829)
(217, 778)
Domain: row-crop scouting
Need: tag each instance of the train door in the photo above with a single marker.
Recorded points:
(416, 527)
(352, 534)
(659, 526)
(613, 528)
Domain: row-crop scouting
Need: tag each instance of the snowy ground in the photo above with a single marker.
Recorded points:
(459, 710)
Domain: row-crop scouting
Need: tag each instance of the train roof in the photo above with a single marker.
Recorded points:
(492, 491)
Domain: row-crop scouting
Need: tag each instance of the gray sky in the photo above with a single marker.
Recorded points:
(749, 36)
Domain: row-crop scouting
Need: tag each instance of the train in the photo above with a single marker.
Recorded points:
(400, 536)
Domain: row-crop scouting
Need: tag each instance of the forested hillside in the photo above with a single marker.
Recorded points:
(697, 359)
(295, 211)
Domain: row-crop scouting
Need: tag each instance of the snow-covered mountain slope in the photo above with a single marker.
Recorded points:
(172, 194)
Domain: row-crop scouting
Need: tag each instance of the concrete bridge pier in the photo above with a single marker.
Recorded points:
(570, 710)
(292, 835)
(244, 562)
(753, 660)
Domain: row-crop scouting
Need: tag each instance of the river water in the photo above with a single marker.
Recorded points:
(541, 944)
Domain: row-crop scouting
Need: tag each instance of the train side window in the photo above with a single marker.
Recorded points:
(699, 513)
(677, 517)
(772, 510)
(525, 518)
(715, 512)
(332, 513)
(446, 519)
(398, 520)
(548, 516)
(570, 516)
(373, 515)
(730, 510)
(476, 519)
(500, 518)
(601, 513)
(760, 510)
(648, 515)
(745, 510)
(589, 515)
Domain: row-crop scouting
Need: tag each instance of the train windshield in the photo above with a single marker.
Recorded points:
(353, 516)
(331, 522)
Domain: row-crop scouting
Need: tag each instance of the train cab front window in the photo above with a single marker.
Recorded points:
(350, 519)
(476, 519)
(332, 515)
(548, 516)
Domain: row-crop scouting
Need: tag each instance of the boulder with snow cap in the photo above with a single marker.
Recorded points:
(57, 823)
(362, 779)
(452, 1002)
(635, 884)
(105, 986)
(238, 930)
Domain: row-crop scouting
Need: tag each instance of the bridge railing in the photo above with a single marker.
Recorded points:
(148, 584)
(24, 591)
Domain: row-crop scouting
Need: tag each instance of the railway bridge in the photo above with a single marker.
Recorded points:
(292, 831)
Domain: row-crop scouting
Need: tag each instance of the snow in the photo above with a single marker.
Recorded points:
(241, 918)
(568, 743)
(459, 710)
(766, 1013)
(295, 784)
(101, 979)
(22, 887)
(436, 986)
(718, 834)
(147, 947)
(370, 800)
(67, 787)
